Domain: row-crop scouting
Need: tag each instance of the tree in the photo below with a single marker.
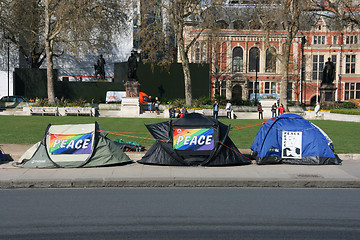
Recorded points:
(289, 15)
(74, 25)
(163, 19)
(21, 24)
(48, 28)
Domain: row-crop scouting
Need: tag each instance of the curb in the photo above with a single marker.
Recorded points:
(174, 183)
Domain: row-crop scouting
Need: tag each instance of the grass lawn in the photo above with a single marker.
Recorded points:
(30, 129)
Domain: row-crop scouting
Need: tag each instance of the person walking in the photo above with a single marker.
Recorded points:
(228, 109)
(260, 110)
(150, 104)
(281, 109)
(273, 110)
(157, 103)
(215, 109)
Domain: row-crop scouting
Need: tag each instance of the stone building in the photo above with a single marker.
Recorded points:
(241, 61)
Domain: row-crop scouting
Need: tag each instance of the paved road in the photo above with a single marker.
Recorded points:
(181, 213)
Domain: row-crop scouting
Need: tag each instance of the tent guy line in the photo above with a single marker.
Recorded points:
(253, 161)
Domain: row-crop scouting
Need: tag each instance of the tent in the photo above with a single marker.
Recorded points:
(191, 141)
(289, 138)
(70, 146)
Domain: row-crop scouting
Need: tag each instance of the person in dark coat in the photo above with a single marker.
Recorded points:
(260, 110)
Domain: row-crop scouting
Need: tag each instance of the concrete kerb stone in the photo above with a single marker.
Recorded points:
(172, 182)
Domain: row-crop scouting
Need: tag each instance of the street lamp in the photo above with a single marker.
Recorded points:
(256, 74)
(256, 68)
(8, 65)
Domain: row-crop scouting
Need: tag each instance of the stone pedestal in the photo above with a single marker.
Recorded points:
(327, 94)
(132, 89)
(130, 107)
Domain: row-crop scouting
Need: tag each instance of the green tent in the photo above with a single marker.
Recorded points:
(71, 146)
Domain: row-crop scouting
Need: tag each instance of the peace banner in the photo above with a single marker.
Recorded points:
(71, 143)
(198, 139)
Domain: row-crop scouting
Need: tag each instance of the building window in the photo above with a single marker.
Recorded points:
(318, 66)
(334, 39)
(223, 88)
(352, 91)
(238, 24)
(237, 62)
(251, 88)
(203, 53)
(319, 39)
(351, 40)
(334, 59)
(350, 64)
(270, 87)
(197, 52)
(270, 60)
(254, 56)
(289, 90)
(221, 57)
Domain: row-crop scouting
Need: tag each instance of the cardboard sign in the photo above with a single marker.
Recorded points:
(71, 143)
(291, 144)
(198, 139)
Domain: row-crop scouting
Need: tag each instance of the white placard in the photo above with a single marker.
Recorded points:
(291, 144)
(115, 96)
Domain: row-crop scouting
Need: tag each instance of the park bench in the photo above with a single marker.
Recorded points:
(210, 113)
(44, 111)
(78, 111)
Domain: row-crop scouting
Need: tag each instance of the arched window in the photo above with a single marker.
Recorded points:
(254, 59)
(197, 52)
(238, 24)
(270, 65)
(222, 24)
(237, 61)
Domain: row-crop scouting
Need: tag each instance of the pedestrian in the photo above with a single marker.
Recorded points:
(317, 110)
(273, 110)
(177, 112)
(171, 112)
(183, 111)
(228, 109)
(281, 109)
(150, 104)
(260, 110)
(157, 103)
(215, 109)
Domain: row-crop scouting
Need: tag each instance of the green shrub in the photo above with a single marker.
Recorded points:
(347, 105)
(79, 103)
(241, 102)
(346, 111)
(179, 102)
(201, 101)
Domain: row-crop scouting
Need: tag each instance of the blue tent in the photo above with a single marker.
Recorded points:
(290, 138)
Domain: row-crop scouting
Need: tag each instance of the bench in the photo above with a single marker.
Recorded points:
(210, 113)
(44, 111)
(78, 111)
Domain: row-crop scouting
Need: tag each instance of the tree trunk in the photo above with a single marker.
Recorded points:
(285, 73)
(186, 69)
(49, 55)
(49, 73)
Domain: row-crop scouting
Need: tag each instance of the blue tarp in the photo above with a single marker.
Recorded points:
(289, 138)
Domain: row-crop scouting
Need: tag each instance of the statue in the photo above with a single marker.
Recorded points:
(328, 73)
(100, 67)
(132, 66)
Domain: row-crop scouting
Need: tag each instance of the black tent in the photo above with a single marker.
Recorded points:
(191, 141)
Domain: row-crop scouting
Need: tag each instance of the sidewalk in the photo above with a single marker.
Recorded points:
(346, 175)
